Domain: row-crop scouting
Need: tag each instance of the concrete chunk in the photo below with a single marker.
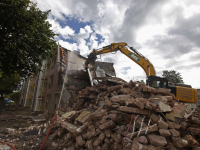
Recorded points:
(164, 132)
(108, 124)
(138, 146)
(98, 113)
(141, 139)
(174, 125)
(163, 107)
(148, 89)
(68, 114)
(125, 90)
(96, 142)
(154, 117)
(114, 88)
(89, 134)
(83, 117)
(180, 143)
(89, 145)
(178, 111)
(101, 136)
(70, 127)
(39, 118)
(191, 141)
(133, 110)
(162, 125)
(163, 91)
(120, 98)
(80, 141)
(140, 102)
(174, 132)
(183, 125)
(116, 137)
(130, 102)
(157, 140)
(151, 106)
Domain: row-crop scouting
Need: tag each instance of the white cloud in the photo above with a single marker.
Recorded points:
(65, 32)
(84, 49)
(166, 32)
(68, 45)
(83, 34)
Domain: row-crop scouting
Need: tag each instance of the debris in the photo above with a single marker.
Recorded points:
(5, 147)
(157, 140)
(68, 114)
(162, 125)
(164, 132)
(39, 118)
(174, 133)
(100, 117)
(8, 117)
(179, 142)
(80, 141)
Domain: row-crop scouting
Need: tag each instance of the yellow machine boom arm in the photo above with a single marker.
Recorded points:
(133, 55)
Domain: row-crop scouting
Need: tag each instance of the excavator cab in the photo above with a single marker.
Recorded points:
(181, 91)
(157, 82)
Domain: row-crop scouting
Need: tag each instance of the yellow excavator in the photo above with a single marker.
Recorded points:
(183, 92)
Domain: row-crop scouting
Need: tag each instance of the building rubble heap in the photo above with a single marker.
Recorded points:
(130, 115)
(124, 116)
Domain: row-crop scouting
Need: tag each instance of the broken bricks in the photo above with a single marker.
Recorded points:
(109, 114)
(107, 127)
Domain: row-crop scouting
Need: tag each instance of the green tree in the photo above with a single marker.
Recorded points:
(9, 84)
(173, 76)
(25, 37)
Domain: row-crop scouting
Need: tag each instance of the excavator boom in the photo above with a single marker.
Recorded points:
(134, 55)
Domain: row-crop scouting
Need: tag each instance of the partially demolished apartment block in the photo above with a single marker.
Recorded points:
(41, 92)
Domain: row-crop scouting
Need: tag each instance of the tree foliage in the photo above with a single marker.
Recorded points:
(25, 37)
(173, 76)
(9, 84)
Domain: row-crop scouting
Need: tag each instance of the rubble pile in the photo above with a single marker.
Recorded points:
(128, 116)
(116, 115)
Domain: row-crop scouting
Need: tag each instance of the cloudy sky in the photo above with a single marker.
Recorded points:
(167, 32)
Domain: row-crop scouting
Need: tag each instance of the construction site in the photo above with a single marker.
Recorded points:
(78, 103)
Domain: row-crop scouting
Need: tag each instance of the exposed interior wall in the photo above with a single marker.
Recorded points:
(30, 91)
(41, 87)
(53, 88)
(23, 92)
(27, 91)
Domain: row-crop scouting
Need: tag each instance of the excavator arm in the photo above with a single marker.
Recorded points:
(134, 55)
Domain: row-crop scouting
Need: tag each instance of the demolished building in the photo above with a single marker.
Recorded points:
(41, 92)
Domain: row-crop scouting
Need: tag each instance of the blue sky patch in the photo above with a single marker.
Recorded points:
(70, 40)
(74, 23)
